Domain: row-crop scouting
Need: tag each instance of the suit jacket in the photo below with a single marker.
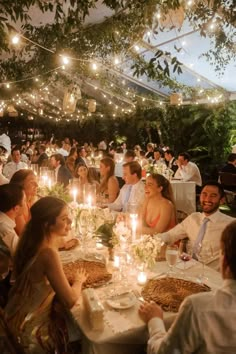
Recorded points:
(171, 164)
(64, 176)
(81, 161)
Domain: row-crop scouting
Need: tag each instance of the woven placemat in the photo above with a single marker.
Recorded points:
(97, 272)
(170, 292)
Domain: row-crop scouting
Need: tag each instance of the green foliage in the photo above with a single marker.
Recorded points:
(106, 234)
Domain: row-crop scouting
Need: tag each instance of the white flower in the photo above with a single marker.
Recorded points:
(147, 249)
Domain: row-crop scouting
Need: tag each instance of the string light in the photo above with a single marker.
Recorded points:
(65, 60)
(15, 39)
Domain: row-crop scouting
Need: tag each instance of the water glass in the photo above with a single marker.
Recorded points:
(171, 257)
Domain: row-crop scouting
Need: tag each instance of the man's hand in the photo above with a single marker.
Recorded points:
(150, 310)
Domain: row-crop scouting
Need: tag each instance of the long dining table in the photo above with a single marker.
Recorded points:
(184, 195)
(124, 331)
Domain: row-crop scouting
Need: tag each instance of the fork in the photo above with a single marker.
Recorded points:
(138, 295)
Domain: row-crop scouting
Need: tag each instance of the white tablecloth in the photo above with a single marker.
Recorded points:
(184, 195)
(128, 341)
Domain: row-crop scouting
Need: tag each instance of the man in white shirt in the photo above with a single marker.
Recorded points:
(206, 321)
(15, 165)
(133, 190)
(211, 196)
(188, 171)
(12, 202)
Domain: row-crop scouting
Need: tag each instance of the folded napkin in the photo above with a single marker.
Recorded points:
(117, 322)
(189, 264)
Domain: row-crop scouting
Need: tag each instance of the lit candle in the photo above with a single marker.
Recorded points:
(49, 183)
(133, 225)
(74, 192)
(44, 178)
(142, 278)
(89, 201)
(116, 261)
(99, 245)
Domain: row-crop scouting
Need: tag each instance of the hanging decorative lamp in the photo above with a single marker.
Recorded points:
(92, 105)
(71, 96)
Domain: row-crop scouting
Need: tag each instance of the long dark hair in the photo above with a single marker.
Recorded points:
(43, 214)
(108, 162)
(166, 191)
(20, 176)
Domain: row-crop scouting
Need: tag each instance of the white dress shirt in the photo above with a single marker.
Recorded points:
(136, 196)
(205, 324)
(190, 172)
(190, 226)
(11, 167)
(7, 232)
(3, 179)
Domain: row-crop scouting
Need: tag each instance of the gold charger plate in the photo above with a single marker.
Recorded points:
(170, 292)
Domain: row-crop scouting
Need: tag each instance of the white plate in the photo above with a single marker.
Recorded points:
(122, 301)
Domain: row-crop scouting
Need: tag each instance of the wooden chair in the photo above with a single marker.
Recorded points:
(180, 215)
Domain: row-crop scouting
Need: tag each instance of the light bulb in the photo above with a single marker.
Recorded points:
(15, 39)
(94, 66)
(65, 60)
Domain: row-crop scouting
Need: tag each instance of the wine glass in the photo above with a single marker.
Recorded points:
(185, 253)
(204, 256)
(171, 257)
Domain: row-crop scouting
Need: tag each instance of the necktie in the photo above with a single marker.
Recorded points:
(127, 195)
(200, 236)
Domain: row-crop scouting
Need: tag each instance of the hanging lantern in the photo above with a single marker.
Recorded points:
(92, 105)
(173, 18)
(176, 99)
(12, 112)
(71, 96)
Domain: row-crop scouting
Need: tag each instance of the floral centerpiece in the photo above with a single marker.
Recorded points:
(160, 168)
(147, 250)
(56, 190)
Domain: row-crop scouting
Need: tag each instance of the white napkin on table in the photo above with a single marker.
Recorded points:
(117, 322)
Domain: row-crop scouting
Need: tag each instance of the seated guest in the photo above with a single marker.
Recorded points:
(16, 164)
(129, 156)
(170, 160)
(109, 184)
(158, 157)
(39, 276)
(205, 226)
(3, 179)
(206, 321)
(150, 151)
(158, 212)
(43, 157)
(133, 189)
(230, 167)
(5, 273)
(12, 203)
(70, 161)
(84, 175)
(81, 159)
(187, 170)
(28, 181)
(62, 173)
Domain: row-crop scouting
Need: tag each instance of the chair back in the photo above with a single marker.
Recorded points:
(227, 179)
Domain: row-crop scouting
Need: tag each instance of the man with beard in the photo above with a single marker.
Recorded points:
(204, 227)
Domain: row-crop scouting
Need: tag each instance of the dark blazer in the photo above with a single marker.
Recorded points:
(80, 160)
(64, 176)
(172, 165)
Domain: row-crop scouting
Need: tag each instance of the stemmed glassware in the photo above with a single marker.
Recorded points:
(204, 256)
(185, 253)
(171, 257)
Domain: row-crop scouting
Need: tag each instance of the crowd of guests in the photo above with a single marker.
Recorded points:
(33, 228)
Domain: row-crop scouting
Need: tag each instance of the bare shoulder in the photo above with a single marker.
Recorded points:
(167, 204)
(48, 256)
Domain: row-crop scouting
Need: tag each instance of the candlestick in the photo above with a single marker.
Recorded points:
(142, 278)
(49, 183)
(89, 201)
(134, 225)
(116, 261)
(74, 192)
